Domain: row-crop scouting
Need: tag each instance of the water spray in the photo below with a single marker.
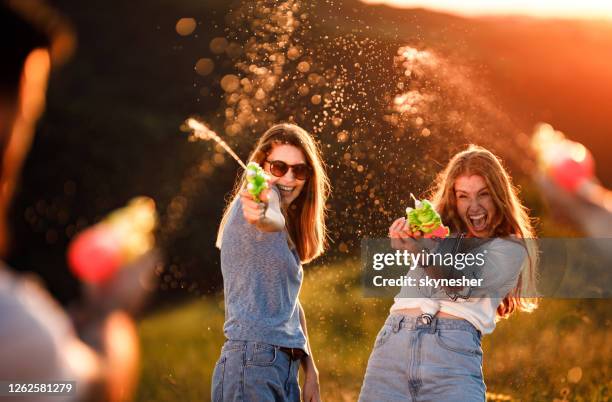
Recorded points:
(257, 178)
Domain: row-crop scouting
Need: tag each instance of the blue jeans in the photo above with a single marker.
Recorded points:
(414, 360)
(254, 371)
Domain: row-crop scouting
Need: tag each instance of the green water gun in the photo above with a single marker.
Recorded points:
(257, 180)
(424, 218)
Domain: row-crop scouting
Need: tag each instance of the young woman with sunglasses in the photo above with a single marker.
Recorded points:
(263, 246)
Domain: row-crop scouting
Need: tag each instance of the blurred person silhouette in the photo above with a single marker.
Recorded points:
(38, 339)
(590, 209)
(567, 181)
(577, 264)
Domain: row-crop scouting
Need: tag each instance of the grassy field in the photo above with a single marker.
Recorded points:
(561, 352)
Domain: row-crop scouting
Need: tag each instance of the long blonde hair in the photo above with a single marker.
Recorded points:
(306, 214)
(512, 217)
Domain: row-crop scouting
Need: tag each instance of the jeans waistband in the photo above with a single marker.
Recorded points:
(399, 321)
(231, 344)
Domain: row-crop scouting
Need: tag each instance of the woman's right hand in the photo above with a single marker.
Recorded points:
(252, 210)
(402, 238)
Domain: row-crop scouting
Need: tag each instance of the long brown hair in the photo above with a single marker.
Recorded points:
(306, 214)
(512, 217)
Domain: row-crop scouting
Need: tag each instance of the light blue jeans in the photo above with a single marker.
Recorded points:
(254, 372)
(414, 360)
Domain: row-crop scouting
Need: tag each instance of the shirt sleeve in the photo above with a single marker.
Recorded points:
(504, 259)
(34, 335)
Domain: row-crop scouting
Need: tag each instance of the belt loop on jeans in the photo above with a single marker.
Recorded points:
(249, 351)
(433, 325)
(397, 323)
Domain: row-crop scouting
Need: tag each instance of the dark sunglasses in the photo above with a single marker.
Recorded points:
(301, 171)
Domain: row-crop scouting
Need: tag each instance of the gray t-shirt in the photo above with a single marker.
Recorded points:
(262, 277)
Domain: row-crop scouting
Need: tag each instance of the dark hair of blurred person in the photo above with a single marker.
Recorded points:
(38, 341)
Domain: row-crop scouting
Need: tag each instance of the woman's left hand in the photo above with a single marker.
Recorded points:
(311, 392)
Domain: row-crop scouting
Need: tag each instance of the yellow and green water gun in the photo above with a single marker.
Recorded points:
(257, 180)
(424, 218)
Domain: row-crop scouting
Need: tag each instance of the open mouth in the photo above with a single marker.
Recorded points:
(478, 222)
(285, 190)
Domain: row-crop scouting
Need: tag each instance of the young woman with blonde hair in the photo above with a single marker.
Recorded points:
(429, 348)
(263, 245)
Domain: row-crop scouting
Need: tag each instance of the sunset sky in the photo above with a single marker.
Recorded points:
(587, 9)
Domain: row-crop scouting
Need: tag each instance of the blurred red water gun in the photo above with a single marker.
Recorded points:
(125, 235)
(568, 163)
(567, 179)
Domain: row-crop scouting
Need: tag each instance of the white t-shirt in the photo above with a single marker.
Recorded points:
(36, 338)
(503, 263)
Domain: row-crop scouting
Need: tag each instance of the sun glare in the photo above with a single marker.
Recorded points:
(585, 9)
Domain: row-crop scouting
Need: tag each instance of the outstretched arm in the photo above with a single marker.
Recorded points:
(265, 215)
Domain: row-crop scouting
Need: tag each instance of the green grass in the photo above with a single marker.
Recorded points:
(561, 351)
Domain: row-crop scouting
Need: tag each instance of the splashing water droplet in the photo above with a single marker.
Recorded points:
(230, 83)
(303, 90)
(204, 66)
(303, 67)
(185, 26)
(218, 45)
(294, 53)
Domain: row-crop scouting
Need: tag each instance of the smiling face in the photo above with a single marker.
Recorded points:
(475, 205)
(290, 187)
